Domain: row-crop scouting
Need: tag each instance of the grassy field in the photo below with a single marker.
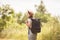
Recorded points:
(16, 33)
(21, 33)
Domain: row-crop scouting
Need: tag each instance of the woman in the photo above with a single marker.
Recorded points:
(31, 36)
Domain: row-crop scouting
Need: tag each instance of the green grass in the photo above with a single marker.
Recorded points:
(20, 32)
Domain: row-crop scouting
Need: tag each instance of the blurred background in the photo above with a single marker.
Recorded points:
(13, 14)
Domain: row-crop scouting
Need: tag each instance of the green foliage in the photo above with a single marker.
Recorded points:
(44, 17)
(41, 8)
(19, 15)
(11, 28)
(2, 24)
(24, 18)
(19, 18)
(50, 25)
(6, 13)
(41, 13)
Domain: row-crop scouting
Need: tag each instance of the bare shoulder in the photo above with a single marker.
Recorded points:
(29, 20)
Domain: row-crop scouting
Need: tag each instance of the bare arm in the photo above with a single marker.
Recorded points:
(28, 23)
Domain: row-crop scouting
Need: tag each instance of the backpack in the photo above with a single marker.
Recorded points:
(36, 26)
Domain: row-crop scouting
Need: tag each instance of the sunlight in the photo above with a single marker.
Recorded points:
(24, 5)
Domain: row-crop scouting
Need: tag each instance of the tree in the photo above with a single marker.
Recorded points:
(7, 13)
(24, 18)
(19, 17)
(41, 8)
(41, 13)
